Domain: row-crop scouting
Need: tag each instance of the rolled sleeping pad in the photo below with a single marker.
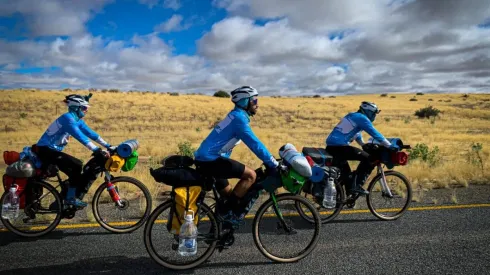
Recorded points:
(317, 173)
(126, 148)
(299, 162)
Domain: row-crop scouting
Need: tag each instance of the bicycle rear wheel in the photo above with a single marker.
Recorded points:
(125, 218)
(277, 224)
(162, 245)
(42, 211)
(381, 204)
(326, 214)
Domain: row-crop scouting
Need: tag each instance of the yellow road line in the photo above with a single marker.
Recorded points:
(250, 216)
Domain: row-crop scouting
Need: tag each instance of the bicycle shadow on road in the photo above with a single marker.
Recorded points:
(355, 220)
(9, 237)
(119, 265)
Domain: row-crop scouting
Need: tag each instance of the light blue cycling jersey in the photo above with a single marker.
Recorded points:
(350, 127)
(68, 124)
(227, 134)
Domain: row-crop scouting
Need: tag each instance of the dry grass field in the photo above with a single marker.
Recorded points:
(161, 122)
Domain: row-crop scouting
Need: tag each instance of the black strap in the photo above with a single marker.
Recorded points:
(187, 199)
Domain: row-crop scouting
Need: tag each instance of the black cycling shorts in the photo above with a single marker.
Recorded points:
(221, 169)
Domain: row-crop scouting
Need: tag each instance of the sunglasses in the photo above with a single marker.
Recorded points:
(254, 100)
(84, 108)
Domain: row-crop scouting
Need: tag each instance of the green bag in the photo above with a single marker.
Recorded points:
(130, 162)
(292, 181)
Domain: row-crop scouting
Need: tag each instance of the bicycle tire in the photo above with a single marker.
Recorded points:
(260, 214)
(48, 229)
(407, 203)
(327, 218)
(151, 248)
(132, 228)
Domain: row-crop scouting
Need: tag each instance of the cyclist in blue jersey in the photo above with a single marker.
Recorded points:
(212, 157)
(348, 130)
(51, 144)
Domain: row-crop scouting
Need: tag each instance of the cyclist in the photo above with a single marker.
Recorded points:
(212, 157)
(348, 129)
(51, 144)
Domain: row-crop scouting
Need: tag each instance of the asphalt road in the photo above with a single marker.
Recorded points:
(444, 241)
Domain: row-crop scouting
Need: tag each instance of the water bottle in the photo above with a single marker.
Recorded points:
(188, 237)
(330, 194)
(10, 207)
(6, 207)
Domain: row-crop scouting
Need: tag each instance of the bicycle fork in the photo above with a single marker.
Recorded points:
(386, 190)
(282, 223)
(111, 188)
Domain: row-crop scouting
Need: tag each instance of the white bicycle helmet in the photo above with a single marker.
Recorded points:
(243, 92)
(369, 109)
(76, 100)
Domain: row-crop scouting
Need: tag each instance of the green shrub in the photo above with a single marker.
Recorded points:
(221, 93)
(475, 156)
(424, 153)
(186, 149)
(427, 112)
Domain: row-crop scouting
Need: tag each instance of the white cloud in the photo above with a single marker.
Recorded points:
(92, 64)
(169, 4)
(172, 25)
(405, 46)
(149, 3)
(54, 17)
(172, 4)
(238, 38)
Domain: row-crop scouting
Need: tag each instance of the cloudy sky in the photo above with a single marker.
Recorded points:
(287, 47)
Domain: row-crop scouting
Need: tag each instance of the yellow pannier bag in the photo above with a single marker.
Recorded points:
(114, 163)
(185, 200)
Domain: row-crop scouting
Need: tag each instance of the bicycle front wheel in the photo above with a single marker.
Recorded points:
(384, 206)
(131, 214)
(163, 245)
(40, 214)
(280, 233)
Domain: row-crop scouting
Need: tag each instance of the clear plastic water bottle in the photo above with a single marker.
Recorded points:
(330, 194)
(6, 207)
(188, 237)
(10, 207)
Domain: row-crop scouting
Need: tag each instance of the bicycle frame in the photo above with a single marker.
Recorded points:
(216, 197)
(107, 180)
(384, 185)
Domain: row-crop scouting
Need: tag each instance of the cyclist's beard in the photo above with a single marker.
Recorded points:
(251, 110)
(80, 113)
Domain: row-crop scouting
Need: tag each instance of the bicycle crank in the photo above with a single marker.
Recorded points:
(226, 240)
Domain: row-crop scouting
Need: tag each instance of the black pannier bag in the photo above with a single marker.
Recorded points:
(176, 172)
(318, 155)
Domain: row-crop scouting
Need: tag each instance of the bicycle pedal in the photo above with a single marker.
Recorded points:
(220, 248)
(351, 205)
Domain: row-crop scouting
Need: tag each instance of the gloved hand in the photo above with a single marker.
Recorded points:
(99, 153)
(112, 148)
(370, 147)
(394, 147)
(276, 170)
